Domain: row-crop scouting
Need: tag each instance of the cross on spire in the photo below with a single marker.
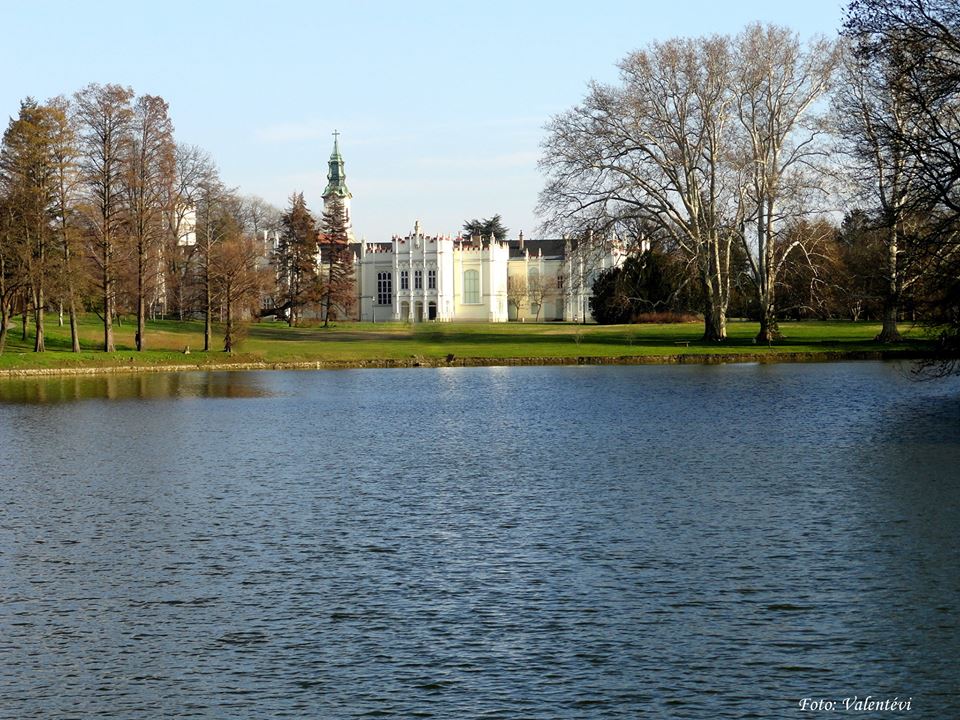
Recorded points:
(336, 135)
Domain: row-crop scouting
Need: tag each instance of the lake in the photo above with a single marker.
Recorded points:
(563, 542)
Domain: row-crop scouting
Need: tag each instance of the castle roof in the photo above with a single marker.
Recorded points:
(548, 248)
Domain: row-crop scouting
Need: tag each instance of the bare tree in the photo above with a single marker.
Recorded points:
(193, 170)
(917, 43)
(237, 271)
(873, 115)
(11, 279)
(539, 289)
(27, 180)
(214, 201)
(65, 156)
(149, 177)
(776, 84)
(517, 292)
(260, 216)
(104, 117)
(654, 149)
(913, 48)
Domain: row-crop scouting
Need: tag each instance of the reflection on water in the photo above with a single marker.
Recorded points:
(544, 543)
(141, 386)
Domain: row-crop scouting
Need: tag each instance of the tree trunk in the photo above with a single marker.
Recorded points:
(108, 345)
(180, 283)
(769, 329)
(766, 275)
(141, 305)
(4, 321)
(715, 326)
(329, 290)
(228, 335)
(208, 306)
(38, 344)
(74, 332)
(714, 315)
(4, 305)
(891, 295)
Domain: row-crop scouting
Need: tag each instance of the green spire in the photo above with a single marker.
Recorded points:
(336, 177)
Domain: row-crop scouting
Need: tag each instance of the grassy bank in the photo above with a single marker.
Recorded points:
(450, 343)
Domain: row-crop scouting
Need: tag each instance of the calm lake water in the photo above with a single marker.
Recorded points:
(575, 542)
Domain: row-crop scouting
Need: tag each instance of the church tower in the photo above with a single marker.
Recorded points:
(337, 184)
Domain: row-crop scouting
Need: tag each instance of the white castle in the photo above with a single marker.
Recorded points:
(419, 277)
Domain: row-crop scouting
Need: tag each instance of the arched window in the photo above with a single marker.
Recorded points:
(384, 288)
(471, 287)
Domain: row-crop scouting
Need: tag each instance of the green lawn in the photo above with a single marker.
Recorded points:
(273, 342)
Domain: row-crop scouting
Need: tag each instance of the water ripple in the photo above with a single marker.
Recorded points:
(487, 543)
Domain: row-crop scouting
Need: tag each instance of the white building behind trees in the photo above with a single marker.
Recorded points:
(418, 277)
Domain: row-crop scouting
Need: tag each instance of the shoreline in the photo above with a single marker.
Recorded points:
(442, 362)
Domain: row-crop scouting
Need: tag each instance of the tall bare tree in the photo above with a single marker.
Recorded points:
(903, 111)
(776, 84)
(654, 149)
(873, 116)
(28, 179)
(917, 42)
(194, 169)
(65, 154)
(104, 119)
(149, 178)
(213, 202)
(11, 278)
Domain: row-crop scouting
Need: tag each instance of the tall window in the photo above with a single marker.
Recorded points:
(559, 281)
(418, 279)
(384, 288)
(431, 279)
(404, 280)
(471, 287)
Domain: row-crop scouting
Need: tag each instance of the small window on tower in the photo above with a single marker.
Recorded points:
(431, 279)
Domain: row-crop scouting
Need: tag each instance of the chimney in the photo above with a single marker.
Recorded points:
(521, 239)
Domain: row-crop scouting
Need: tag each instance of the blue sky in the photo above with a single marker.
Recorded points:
(441, 105)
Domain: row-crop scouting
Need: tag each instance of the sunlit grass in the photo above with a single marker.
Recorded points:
(274, 342)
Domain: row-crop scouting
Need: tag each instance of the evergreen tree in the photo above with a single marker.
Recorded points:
(641, 285)
(296, 258)
(488, 227)
(337, 286)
